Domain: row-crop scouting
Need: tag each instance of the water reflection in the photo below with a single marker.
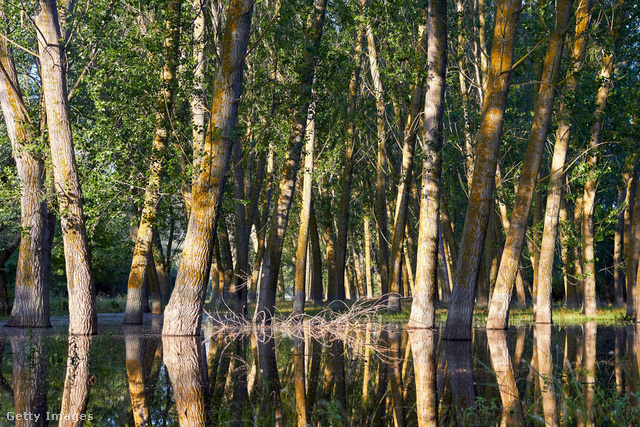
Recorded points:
(371, 376)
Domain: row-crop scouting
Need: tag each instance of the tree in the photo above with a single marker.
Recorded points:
(426, 287)
(458, 325)
(498, 311)
(183, 314)
(82, 297)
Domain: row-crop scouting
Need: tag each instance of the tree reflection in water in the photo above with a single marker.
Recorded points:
(371, 376)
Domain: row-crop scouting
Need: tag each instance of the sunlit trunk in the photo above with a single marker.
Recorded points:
(164, 107)
(459, 318)
(299, 294)
(426, 287)
(271, 263)
(31, 300)
(629, 242)
(499, 310)
(183, 314)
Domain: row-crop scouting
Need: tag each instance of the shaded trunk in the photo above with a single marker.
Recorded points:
(629, 242)
(269, 369)
(618, 274)
(316, 256)
(426, 287)
(499, 310)
(459, 318)
(4, 256)
(82, 299)
(273, 254)
(164, 107)
(162, 269)
(183, 314)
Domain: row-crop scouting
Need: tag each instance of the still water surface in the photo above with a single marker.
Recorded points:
(132, 376)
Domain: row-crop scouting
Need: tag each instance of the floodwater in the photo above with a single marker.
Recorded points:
(370, 375)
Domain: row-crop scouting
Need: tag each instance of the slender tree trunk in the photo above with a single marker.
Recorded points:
(499, 310)
(629, 242)
(458, 325)
(162, 270)
(316, 256)
(183, 314)
(590, 185)
(82, 299)
(402, 199)
(273, 255)
(239, 292)
(329, 239)
(300, 381)
(347, 172)
(164, 107)
(367, 256)
(154, 286)
(299, 295)
(426, 287)
(618, 274)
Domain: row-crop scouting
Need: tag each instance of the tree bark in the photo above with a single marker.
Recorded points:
(273, 255)
(299, 295)
(164, 108)
(618, 274)
(458, 325)
(316, 256)
(402, 199)
(347, 171)
(629, 242)
(183, 314)
(426, 287)
(82, 299)
(499, 310)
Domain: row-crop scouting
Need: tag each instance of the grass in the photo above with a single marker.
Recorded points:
(562, 316)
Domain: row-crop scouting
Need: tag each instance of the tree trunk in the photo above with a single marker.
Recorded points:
(278, 224)
(4, 256)
(183, 314)
(499, 310)
(316, 256)
(512, 414)
(164, 107)
(426, 287)
(82, 298)
(590, 185)
(134, 346)
(459, 318)
(163, 272)
(367, 256)
(329, 240)
(381, 191)
(618, 274)
(347, 172)
(629, 241)
(299, 295)
(423, 348)
(402, 199)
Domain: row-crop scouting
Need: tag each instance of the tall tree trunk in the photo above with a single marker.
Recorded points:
(278, 224)
(347, 171)
(31, 302)
(381, 165)
(367, 256)
(499, 310)
(458, 325)
(183, 314)
(618, 274)
(629, 241)
(402, 199)
(426, 288)
(590, 185)
(162, 270)
(164, 107)
(299, 294)
(82, 297)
